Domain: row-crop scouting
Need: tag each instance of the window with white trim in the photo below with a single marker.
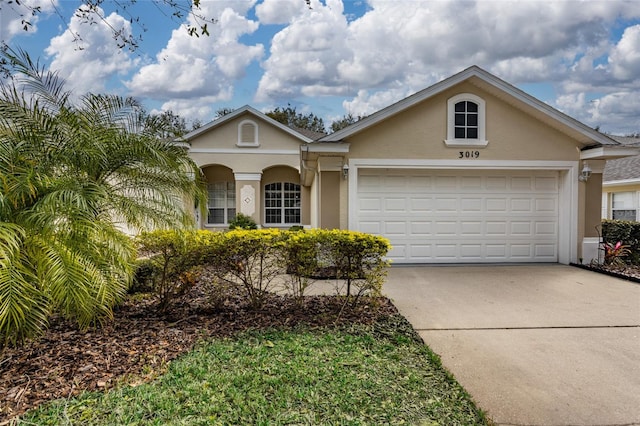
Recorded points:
(221, 202)
(248, 133)
(282, 203)
(624, 206)
(466, 121)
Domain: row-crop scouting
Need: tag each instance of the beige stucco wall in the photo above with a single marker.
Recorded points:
(277, 147)
(330, 196)
(276, 159)
(226, 135)
(218, 174)
(254, 161)
(420, 131)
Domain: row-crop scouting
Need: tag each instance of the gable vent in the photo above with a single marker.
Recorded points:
(248, 134)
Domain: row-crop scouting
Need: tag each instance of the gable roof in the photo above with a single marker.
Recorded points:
(622, 169)
(237, 113)
(496, 86)
(633, 141)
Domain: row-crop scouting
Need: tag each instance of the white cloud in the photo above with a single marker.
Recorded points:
(366, 103)
(625, 57)
(188, 109)
(87, 56)
(278, 11)
(191, 72)
(392, 50)
(615, 112)
(399, 47)
(305, 54)
(14, 16)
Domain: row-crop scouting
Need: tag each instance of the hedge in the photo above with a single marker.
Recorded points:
(258, 261)
(627, 232)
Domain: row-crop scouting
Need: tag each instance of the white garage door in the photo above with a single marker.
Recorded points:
(459, 216)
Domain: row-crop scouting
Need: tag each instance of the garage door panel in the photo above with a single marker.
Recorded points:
(446, 204)
(370, 205)
(419, 229)
(496, 229)
(521, 251)
(471, 182)
(498, 205)
(521, 184)
(471, 228)
(521, 229)
(521, 205)
(438, 217)
(546, 184)
(446, 183)
(392, 205)
(395, 228)
(549, 205)
(421, 204)
(473, 205)
(496, 252)
(371, 227)
(496, 183)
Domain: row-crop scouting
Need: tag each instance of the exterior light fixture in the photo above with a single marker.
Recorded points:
(345, 171)
(585, 174)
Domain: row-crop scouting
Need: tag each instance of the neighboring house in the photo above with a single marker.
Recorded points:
(621, 185)
(469, 170)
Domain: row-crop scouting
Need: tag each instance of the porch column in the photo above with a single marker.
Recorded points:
(592, 212)
(248, 190)
(330, 169)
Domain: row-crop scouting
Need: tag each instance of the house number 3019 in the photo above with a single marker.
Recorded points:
(468, 154)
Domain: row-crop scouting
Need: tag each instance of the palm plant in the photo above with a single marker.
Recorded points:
(72, 176)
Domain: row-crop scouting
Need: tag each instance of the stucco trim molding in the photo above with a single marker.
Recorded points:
(635, 181)
(244, 151)
(248, 176)
(567, 191)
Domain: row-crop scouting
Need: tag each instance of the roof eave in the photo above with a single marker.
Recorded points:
(622, 182)
(228, 117)
(608, 152)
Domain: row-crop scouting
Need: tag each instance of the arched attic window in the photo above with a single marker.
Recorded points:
(466, 121)
(248, 134)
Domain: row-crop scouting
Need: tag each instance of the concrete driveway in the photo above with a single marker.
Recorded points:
(533, 345)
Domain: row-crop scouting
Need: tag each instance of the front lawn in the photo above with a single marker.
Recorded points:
(362, 374)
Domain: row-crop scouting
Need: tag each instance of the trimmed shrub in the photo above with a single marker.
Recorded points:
(256, 261)
(355, 257)
(302, 261)
(625, 232)
(170, 259)
(251, 260)
(358, 259)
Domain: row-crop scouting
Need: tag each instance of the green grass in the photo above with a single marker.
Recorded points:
(364, 376)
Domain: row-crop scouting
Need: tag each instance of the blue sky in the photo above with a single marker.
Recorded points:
(339, 57)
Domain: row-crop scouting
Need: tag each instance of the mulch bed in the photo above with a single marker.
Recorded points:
(138, 344)
(626, 272)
